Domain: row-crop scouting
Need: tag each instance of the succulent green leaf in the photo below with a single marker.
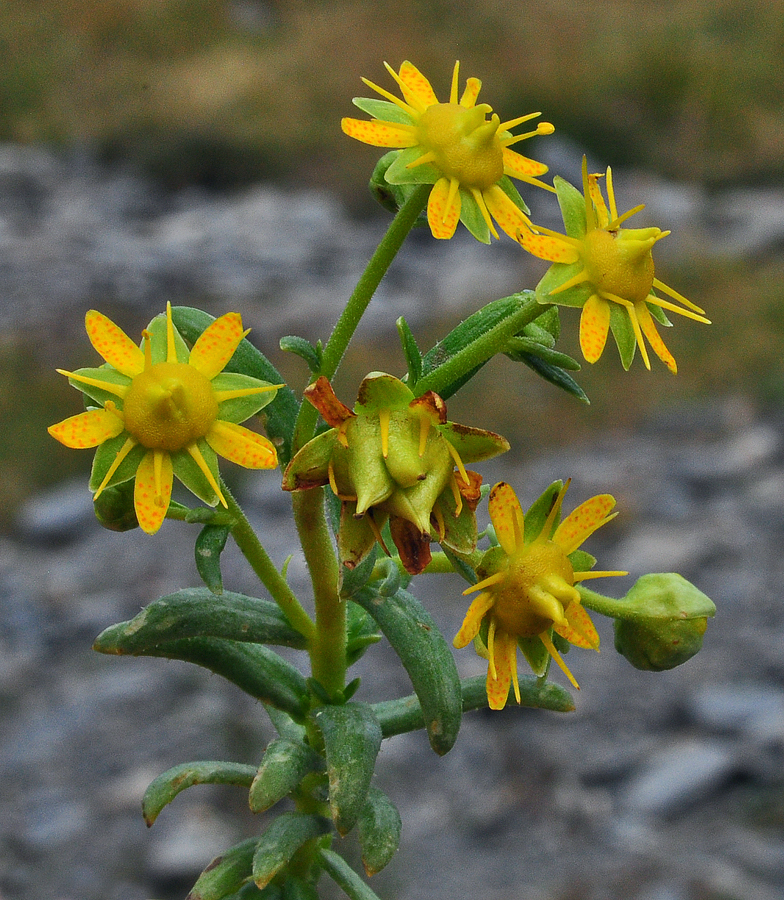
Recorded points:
(281, 413)
(170, 783)
(209, 546)
(197, 612)
(426, 657)
(361, 632)
(278, 844)
(226, 874)
(345, 877)
(379, 831)
(255, 669)
(352, 739)
(410, 351)
(295, 888)
(292, 343)
(284, 765)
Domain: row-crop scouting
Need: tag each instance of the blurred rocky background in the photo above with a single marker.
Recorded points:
(189, 150)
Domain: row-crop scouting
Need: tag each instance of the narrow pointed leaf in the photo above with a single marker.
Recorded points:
(226, 874)
(209, 546)
(352, 739)
(345, 877)
(279, 843)
(170, 783)
(426, 657)
(283, 767)
(411, 351)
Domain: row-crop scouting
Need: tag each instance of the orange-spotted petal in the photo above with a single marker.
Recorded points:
(504, 658)
(216, 345)
(152, 492)
(443, 208)
(416, 89)
(242, 446)
(595, 193)
(378, 133)
(518, 166)
(583, 521)
(113, 344)
(594, 327)
(88, 429)
(506, 514)
(578, 628)
(509, 216)
(650, 331)
(473, 619)
(546, 246)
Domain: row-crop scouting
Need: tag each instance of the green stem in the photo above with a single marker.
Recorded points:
(328, 643)
(605, 606)
(358, 302)
(480, 349)
(262, 565)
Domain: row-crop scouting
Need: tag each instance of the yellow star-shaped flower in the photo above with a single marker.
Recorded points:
(164, 410)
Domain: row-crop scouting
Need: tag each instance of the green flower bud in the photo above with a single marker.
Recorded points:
(659, 644)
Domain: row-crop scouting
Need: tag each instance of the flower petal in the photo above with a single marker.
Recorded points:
(518, 166)
(583, 521)
(88, 429)
(504, 657)
(578, 629)
(443, 209)
(595, 193)
(416, 89)
(594, 325)
(473, 619)
(152, 492)
(545, 246)
(378, 133)
(242, 446)
(324, 398)
(215, 346)
(650, 331)
(506, 515)
(113, 344)
(508, 215)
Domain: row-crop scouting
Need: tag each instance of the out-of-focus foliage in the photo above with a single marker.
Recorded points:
(222, 91)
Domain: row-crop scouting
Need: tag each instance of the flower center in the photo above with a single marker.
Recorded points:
(464, 144)
(537, 590)
(620, 263)
(169, 406)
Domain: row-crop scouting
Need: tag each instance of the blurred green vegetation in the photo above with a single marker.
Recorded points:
(222, 91)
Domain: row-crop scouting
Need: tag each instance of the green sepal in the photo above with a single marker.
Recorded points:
(114, 507)
(299, 346)
(197, 612)
(572, 205)
(159, 346)
(558, 273)
(470, 330)
(166, 786)
(426, 657)
(284, 765)
(310, 466)
(281, 413)
(355, 536)
(623, 332)
(383, 110)
(410, 351)
(352, 739)
(381, 391)
(105, 455)
(378, 829)
(344, 876)
(239, 409)
(92, 392)
(398, 172)
(471, 216)
(539, 510)
(226, 874)
(582, 561)
(658, 313)
(474, 444)
(278, 844)
(209, 545)
(460, 532)
(508, 187)
(392, 196)
(186, 469)
(255, 669)
(536, 655)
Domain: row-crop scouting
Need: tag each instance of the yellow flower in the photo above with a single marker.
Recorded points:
(608, 271)
(528, 590)
(454, 146)
(165, 410)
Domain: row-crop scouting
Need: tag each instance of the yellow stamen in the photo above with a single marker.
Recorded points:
(119, 390)
(544, 637)
(383, 422)
(665, 304)
(617, 221)
(487, 582)
(458, 462)
(122, 453)
(480, 202)
(513, 123)
(220, 396)
(453, 89)
(171, 347)
(201, 462)
(377, 532)
(391, 97)
(424, 430)
(676, 296)
(585, 576)
(458, 497)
